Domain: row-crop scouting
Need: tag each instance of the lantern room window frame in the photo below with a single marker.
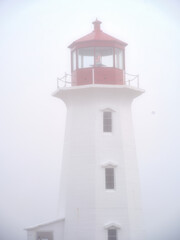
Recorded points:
(74, 60)
(117, 61)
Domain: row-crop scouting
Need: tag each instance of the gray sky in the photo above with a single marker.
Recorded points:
(34, 36)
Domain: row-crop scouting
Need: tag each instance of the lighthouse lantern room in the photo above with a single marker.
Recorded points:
(99, 191)
(97, 58)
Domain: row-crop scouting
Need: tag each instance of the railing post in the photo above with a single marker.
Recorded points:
(124, 77)
(93, 75)
(65, 78)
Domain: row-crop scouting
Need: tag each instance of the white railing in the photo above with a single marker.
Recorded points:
(129, 79)
(64, 81)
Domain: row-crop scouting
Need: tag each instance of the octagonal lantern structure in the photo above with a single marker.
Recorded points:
(97, 58)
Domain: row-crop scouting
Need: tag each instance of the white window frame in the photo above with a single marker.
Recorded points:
(110, 226)
(107, 122)
(108, 231)
(119, 58)
(102, 59)
(84, 59)
(109, 185)
(40, 235)
(112, 121)
(112, 165)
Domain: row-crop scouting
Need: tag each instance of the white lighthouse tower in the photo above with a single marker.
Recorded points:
(100, 197)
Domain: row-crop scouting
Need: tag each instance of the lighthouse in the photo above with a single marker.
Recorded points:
(100, 190)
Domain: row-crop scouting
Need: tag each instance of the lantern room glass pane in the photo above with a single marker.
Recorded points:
(85, 57)
(74, 60)
(104, 57)
(118, 58)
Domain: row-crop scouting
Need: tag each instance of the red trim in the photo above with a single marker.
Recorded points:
(97, 44)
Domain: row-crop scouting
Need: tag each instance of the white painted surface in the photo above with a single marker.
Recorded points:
(56, 227)
(87, 206)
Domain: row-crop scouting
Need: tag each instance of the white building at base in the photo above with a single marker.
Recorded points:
(100, 195)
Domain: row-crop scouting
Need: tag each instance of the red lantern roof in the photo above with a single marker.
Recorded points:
(97, 36)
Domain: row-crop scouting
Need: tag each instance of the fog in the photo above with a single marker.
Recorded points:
(34, 36)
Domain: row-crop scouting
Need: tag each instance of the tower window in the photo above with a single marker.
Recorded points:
(107, 121)
(112, 234)
(109, 178)
(44, 236)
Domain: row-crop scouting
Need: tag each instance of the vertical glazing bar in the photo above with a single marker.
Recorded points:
(65, 78)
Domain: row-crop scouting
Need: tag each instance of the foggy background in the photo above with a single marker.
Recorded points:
(34, 35)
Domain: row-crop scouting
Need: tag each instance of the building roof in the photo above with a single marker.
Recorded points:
(44, 224)
(97, 35)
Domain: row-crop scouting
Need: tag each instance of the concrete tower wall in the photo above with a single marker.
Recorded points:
(90, 208)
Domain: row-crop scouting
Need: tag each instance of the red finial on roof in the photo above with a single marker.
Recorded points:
(97, 24)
